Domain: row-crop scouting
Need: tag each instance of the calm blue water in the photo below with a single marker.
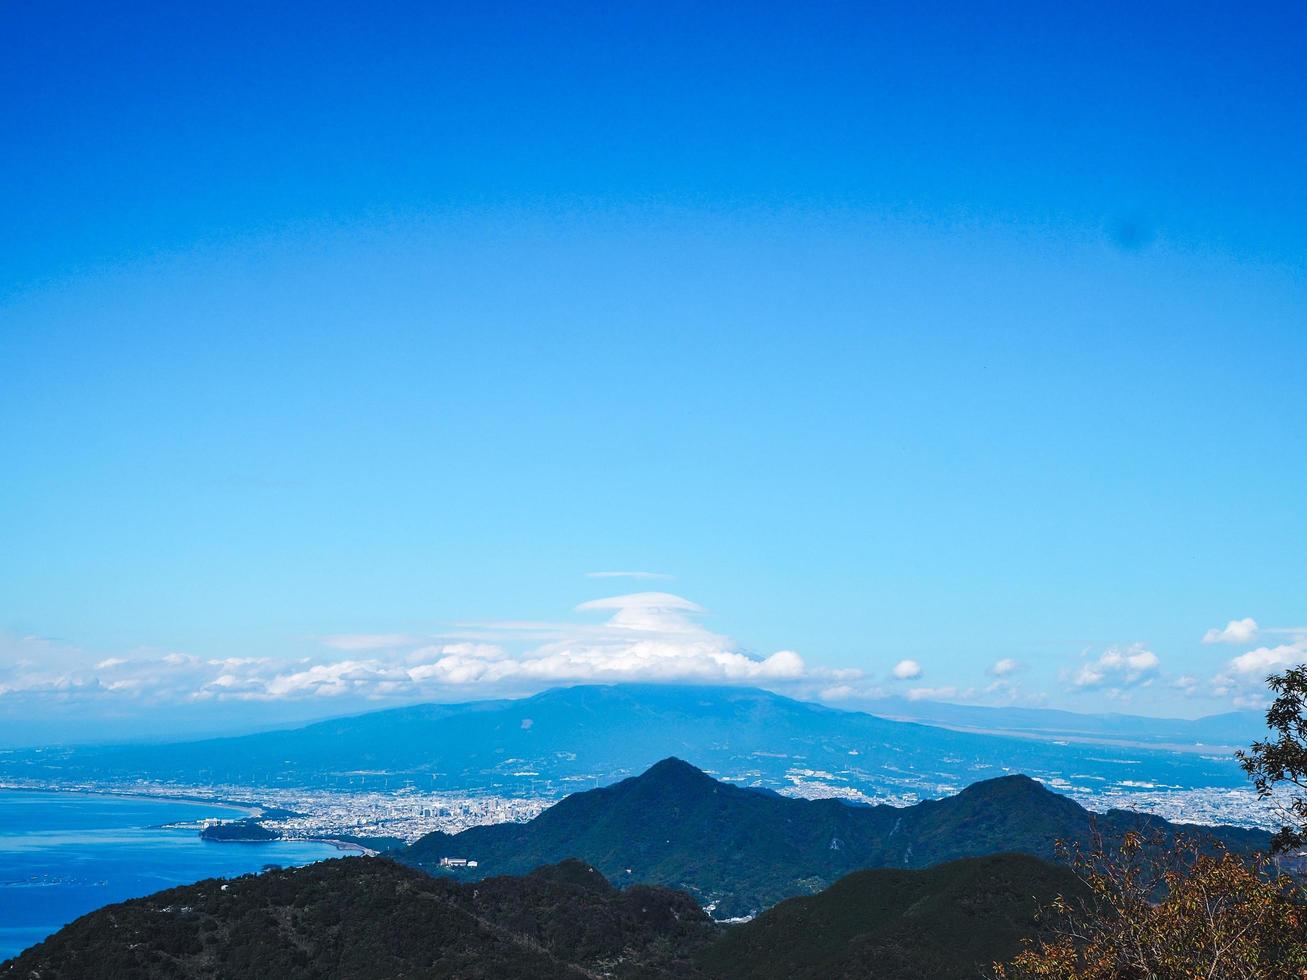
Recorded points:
(64, 854)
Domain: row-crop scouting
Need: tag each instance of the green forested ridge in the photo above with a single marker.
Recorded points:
(364, 918)
(744, 851)
(369, 918)
(942, 922)
(674, 839)
(238, 831)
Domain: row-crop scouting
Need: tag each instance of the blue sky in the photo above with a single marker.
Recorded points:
(890, 333)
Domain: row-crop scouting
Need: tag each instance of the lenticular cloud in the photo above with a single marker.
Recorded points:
(651, 636)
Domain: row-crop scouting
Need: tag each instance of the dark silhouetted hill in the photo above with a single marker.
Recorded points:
(945, 922)
(741, 851)
(368, 918)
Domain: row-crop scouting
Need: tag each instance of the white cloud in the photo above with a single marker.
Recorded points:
(651, 636)
(1002, 692)
(948, 692)
(1004, 667)
(1236, 631)
(464, 649)
(1263, 661)
(231, 661)
(648, 636)
(1243, 679)
(838, 692)
(654, 611)
(1253, 701)
(906, 670)
(331, 680)
(1186, 684)
(636, 575)
(351, 642)
(1118, 668)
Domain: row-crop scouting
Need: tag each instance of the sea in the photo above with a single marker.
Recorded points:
(65, 854)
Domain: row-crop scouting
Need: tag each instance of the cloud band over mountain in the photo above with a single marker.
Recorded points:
(643, 636)
(649, 636)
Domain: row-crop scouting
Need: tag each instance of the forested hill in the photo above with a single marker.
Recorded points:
(743, 850)
(368, 919)
(945, 921)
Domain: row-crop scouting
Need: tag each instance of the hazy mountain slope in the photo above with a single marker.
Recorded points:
(745, 850)
(945, 922)
(1233, 728)
(574, 736)
(363, 918)
(576, 730)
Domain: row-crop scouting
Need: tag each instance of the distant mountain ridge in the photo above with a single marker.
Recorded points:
(742, 851)
(595, 734)
(1231, 728)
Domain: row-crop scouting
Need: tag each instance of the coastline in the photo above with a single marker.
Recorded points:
(249, 809)
(83, 850)
(340, 845)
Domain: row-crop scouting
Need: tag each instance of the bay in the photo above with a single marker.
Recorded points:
(65, 854)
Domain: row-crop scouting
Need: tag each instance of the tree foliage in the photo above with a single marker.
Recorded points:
(371, 919)
(894, 924)
(1191, 909)
(1281, 760)
(1158, 912)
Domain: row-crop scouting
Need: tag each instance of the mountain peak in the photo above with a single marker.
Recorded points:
(1016, 790)
(575, 872)
(670, 779)
(674, 769)
(1016, 780)
(675, 825)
